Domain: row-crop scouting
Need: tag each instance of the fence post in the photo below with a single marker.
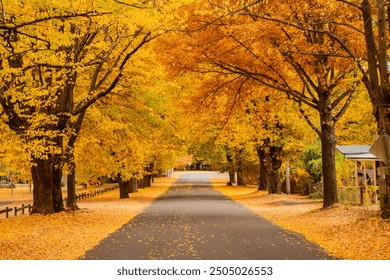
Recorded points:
(16, 211)
(22, 209)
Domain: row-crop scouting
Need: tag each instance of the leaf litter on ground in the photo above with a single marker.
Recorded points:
(346, 232)
(69, 234)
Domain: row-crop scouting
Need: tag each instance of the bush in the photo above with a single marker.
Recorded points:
(312, 163)
(315, 195)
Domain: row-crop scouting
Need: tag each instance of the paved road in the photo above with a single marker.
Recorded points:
(193, 221)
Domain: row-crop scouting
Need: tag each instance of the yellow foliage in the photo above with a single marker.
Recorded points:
(52, 237)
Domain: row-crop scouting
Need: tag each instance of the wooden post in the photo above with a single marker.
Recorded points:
(356, 174)
(364, 187)
(365, 174)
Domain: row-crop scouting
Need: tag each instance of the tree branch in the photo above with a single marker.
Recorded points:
(85, 104)
(345, 107)
(307, 118)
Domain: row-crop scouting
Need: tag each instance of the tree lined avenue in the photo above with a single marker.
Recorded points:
(124, 91)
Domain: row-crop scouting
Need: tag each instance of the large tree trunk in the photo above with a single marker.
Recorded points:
(69, 158)
(133, 186)
(274, 182)
(328, 145)
(384, 183)
(46, 175)
(124, 188)
(263, 174)
(384, 196)
(240, 168)
(275, 165)
(377, 82)
(147, 181)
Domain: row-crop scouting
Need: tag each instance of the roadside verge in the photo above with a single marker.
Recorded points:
(67, 235)
(347, 232)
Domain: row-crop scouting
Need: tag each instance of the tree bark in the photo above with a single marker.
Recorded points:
(275, 165)
(46, 175)
(69, 159)
(133, 186)
(240, 169)
(71, 202)
(384, 184)
(232, 172)
(124, 188)
(328, 145)
(274, 182)
(263, 174)
(147, 180)
(377, 82)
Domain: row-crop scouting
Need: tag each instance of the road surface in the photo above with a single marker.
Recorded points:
(191, 221)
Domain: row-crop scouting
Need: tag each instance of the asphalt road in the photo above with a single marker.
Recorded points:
(193, 221)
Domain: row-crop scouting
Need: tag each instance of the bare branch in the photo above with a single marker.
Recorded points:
(234, 103)
(308, 120)
(219, 18)
(345, 106)
(349, 3)
(14, 26)
(270, 82)
(132, 5)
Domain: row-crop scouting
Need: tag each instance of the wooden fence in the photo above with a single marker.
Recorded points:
(16, 209)
(80, 196)
(85, 195)
(358, 196)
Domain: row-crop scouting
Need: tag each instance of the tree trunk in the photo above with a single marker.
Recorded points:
(264, 174)
(146, 181)
(377, 83)
(240, 169)
(240, 177)
(384, 183)
(274, 182)
(124, 189)
(384, 196)
(71, 202)
(232, 172)
(133, 186)
(69, 159)
(275, 165)
(328, 145)
(46, 175)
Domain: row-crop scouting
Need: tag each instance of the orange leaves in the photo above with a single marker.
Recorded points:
(356, 233)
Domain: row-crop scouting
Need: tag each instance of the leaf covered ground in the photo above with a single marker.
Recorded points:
(356, 233)
(67, 235)
(347, 232)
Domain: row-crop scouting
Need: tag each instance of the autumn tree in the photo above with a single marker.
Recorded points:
(132, 132)
(224, 93)
(287, 52)
(359, 29)
(373, 32)
(58, 60)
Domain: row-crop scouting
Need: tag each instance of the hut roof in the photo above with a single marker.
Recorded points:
(357, 152)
